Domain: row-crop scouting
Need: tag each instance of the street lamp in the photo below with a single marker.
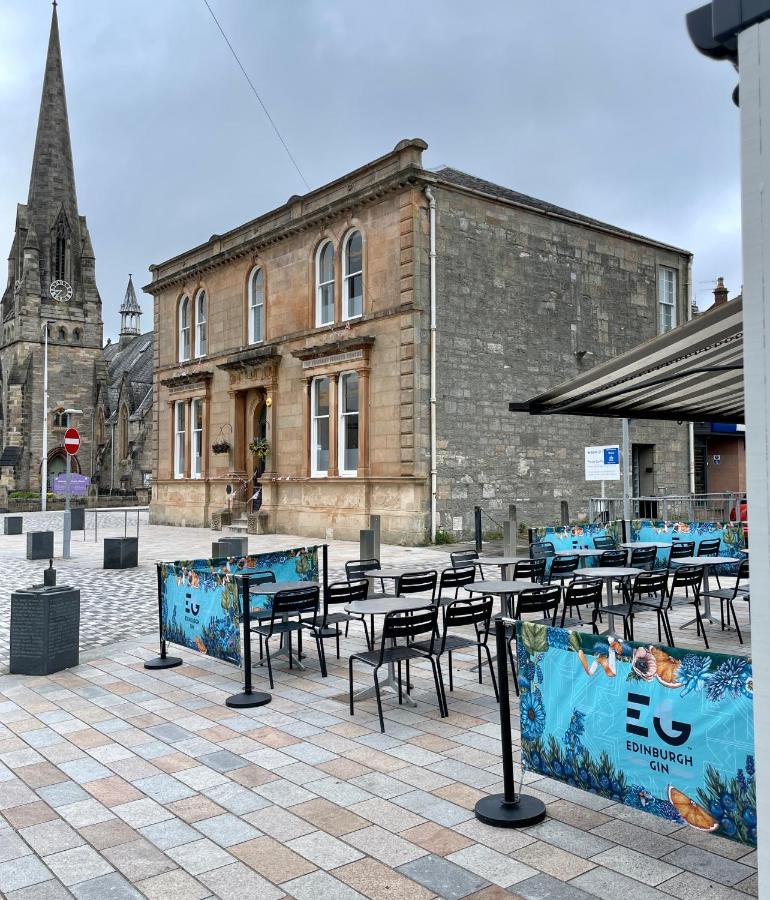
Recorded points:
(67, 512)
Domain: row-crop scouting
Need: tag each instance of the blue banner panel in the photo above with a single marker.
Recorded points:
(730, 535)
(666, 730)
(200, 606)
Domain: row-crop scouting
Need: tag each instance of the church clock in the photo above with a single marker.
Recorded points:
(61, 291)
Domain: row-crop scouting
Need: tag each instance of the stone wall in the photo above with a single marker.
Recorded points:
(519, 295)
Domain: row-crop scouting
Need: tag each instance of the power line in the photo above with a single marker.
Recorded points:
(256, 94)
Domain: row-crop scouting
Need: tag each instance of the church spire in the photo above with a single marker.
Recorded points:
(130, 315)
(52, 183)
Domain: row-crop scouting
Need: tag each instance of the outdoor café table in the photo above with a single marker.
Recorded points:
(707, 562)
(633, 545)
(502, 561)
(609, 574)
(270, 589)
(381, 606)
(584, 553)
(503, 589)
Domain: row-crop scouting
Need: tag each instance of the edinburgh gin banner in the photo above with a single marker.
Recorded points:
(200, 605)
(661, 729)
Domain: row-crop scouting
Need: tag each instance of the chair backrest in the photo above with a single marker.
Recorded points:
(346, 592)
(650, 583)
(296, 602)
(357, 568)
(743, 570)
(613, 558)
(262, 576)
(682, 548)
(709, 547)
(417, 582)
(583, 591)
(564, 565)
(529, 569)
(462, 558)
(540, 549)
(604, 542)
(409, 625)
(451, 579)
(539, 599)
(686, 577)
(642, 557)
(476, 612)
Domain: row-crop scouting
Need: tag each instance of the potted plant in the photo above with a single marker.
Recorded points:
(221, 446)
(260, 447)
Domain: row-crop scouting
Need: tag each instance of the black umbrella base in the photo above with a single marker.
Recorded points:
(247, 701)
(526, 811)
(163, 662)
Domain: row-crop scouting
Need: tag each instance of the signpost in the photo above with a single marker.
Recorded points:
(71, 445)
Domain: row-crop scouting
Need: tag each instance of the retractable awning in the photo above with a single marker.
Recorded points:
(691, 373)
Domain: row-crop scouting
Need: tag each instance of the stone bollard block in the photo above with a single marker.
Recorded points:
(78, 518)
(40, 545)
(121, 553)
(230, 546)
(12, 525)
(45, 630)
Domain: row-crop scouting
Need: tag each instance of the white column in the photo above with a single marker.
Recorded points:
(754, 55)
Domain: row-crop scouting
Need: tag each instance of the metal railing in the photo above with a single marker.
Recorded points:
(690, 508)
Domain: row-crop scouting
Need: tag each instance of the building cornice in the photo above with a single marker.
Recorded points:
(247, 359)
(187, 379)
(330, 348)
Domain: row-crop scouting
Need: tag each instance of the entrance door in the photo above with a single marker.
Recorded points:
(258, 432)
(643, 477)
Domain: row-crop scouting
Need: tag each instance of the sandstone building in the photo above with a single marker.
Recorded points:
(52, 288)
(310, 328)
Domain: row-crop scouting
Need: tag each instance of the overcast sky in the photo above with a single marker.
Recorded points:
(603, 107)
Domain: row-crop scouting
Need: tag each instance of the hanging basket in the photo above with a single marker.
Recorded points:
(220, 447)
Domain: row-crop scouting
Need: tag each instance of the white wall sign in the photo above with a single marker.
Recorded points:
(603, 463)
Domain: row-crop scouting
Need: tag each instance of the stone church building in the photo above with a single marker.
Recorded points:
(52, 318)
(370, 334)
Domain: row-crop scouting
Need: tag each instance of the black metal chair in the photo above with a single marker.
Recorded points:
(689, 578)
(563, 569)
(730, 595)
(711, 547)
(643, 558)
(462, 614)
(263, 576)
(637, 598)
(287, 617)
(417, 623)
(462, 558)
(614, 558)
(451, 581)
(582, 592)
(543, 599)
(530, 570)
(679, 550)
(337, 594)
(355, 570)
(417, 583)
(604, 542)
(538, 549)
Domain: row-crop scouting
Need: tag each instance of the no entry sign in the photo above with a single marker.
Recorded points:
(71, 441)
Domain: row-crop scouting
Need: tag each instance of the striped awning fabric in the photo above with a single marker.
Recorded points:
(691, 373)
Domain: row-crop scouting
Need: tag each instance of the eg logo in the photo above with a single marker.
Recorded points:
(681, 730)
(191, 608)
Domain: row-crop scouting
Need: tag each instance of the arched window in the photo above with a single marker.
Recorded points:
(184, 329)
(123, 432)
(324, 281)
(76, 335)
(62, 334)
(256, 306)
(201, 305)
(353, 276)
(100, 427)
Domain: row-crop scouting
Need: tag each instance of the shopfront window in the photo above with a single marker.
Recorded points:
(348, 433)
(320, 426)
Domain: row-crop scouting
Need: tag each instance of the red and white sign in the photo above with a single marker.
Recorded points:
(72, 441)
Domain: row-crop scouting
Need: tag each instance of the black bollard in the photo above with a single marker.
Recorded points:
(509, 809)
(49, 575)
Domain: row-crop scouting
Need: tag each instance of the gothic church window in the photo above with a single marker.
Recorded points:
(123, 432)
(60, 252)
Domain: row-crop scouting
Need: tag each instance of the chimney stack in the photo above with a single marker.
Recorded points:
(720, 292)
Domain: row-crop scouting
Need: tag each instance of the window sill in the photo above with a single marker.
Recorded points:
(356, 318)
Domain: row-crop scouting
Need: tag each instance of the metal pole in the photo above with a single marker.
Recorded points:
(44, 461)
(163, 661)
(67, 513)
(477, 527)
(626, 471)
(248, 698)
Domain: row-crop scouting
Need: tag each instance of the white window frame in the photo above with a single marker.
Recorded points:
(180, 438)
(254, 306)
(196, 439)
(183, 328)
(320, 285)
(669, 305)
(347, 276)
(341, 432)
(314, 420)
(201, 318)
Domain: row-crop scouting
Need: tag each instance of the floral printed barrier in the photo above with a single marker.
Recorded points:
(575, 537)
(669, 731)
(199, 602)
(729, 533)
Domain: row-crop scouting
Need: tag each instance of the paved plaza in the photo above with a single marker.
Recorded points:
(119, 782)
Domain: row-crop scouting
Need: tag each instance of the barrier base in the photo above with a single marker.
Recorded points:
(245, 701)
(526, 811)
(163, 662)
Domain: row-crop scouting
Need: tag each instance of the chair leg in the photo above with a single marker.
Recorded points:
(445, 705)
(439, 692)
(269, 663)
(451, 680)
(369, 643)
(337, 637)
(400, 692)
(731, 609)
(492, 673)
(321, 655)
(371, 618)
(512, 661)
(478, 655)
(701, 626)
(379, 700)
(350, 681)
(291, 662)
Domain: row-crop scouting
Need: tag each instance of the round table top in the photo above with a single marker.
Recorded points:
(607, 572)
(632, 545)
(268, 589)
(383, 605)
(387, 573)
(705, 560)
(581, 551)
(500, 560)
(500, 587)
